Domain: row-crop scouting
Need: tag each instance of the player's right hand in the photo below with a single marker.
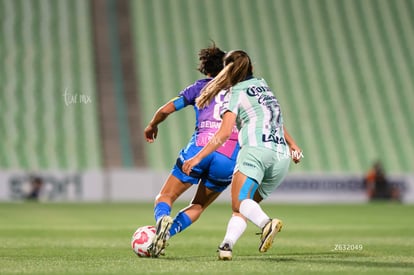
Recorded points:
(151, 133)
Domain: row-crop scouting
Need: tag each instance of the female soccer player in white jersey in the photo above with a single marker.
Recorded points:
(212, 175)
(264, 156)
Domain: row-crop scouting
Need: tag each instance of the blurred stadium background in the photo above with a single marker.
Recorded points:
(80, 79)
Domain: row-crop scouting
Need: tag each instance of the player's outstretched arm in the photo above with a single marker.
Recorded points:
(151, 131)
(295, 150)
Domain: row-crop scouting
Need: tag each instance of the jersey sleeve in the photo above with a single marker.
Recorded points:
(179, 102)
(229, 103)
(190, 94)
(186, 97)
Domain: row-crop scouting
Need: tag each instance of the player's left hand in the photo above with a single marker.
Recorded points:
(296, 153)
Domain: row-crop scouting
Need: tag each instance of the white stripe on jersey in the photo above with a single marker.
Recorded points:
(251, 131)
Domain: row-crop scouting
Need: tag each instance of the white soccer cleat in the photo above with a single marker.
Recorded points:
(269, 232)
(225, 252)
(160, 240)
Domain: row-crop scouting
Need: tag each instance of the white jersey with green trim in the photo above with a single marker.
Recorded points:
(259, 118)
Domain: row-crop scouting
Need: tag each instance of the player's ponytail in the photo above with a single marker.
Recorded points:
(220, 82)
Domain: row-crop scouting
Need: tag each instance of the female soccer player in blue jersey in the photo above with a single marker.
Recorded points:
(264, 156)
(212, 175)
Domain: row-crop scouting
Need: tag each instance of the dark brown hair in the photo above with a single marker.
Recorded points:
(211, 60)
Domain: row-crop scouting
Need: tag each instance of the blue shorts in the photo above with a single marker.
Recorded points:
(215, 171)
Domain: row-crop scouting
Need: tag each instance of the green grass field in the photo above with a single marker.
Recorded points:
(42, 238)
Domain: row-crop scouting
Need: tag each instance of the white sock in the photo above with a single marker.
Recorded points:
(252, 210)
(235, 229)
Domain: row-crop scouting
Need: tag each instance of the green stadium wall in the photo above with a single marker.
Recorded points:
(342, 70)
(45, 53)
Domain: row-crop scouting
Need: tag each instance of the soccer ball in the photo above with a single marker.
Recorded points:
(142, 239)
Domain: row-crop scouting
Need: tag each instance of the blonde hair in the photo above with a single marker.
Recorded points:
(237, 66)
